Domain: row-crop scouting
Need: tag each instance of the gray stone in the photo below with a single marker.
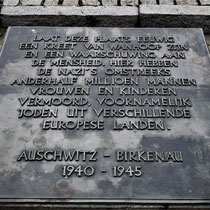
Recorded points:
(167, 2)
(70, 3)
(168, 163)
(208, 41)
(173, 16)
(205, 2)
(187, 2)
(51, 2)
(109, 2)
(10, 2)
(111, 16)
(104, 206)
(90, 2)
(148, 2)
(31, 2)
(2, 37)
(129, 2)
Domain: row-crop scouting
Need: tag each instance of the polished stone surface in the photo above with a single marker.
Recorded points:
(166, 182)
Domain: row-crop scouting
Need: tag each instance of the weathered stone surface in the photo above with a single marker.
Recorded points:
(205, 2)
(34, 159)
(51, 2)
(109, 2)
(186, 2)
(148, 2)
(2, 37)
(70, 16)
(31, 2)
(208, 41)
(10, 2)
(175, 10)
(173, 16)
(129, 2)
(105, 207)
(70, 3)
(167, 2)
(90, 2)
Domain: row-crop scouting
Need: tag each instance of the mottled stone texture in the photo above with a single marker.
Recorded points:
(148, 2)
(51, 2)
(103, 2)
(186, 2)
(31, 2)
(112, 16)
(90, 2)
(205, 2)
(208, 41)
(109, 2)
(129, 2)
(167, 2)
(175, 16)
(10, 2)
(70, 3)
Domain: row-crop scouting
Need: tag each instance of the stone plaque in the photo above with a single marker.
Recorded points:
(105, 115)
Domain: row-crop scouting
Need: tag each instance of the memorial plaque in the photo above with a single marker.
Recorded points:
(105, 115)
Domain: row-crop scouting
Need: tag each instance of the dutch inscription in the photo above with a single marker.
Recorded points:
(128, 65)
